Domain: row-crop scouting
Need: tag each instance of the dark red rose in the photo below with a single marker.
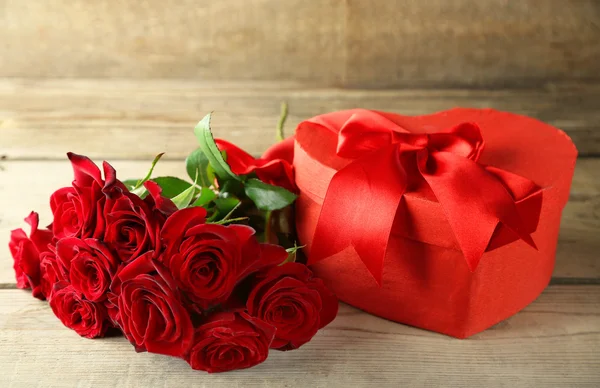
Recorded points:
(53, 271)
(132, 226)
(208, 260)
(149, 310)
(293, 301)
(90, 265)
(26, 254)
(77, 210)
(228, 341)
(87, 318)
(274, 167)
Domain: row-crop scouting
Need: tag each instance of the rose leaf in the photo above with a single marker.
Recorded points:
(210, 149)
(197, 163)
(171, 186)
(130, 183)
(206, 195)
(268, 197)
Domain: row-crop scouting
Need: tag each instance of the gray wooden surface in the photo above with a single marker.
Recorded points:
(552, 343)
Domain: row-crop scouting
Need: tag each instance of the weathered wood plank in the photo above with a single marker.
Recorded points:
(358, 43)
(471, 42)
(250, 39)
(552, 343)
(578, 252)
(137, 119)
(27, 185)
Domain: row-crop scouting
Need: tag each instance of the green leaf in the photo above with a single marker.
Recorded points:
(210, 172)
(268, 197)
(187, 196)
(184, 198)
(130, 183)
(232, 187)
(206, 195)
(171, 186)
(210, 149)
(197, 163)
(226, 204)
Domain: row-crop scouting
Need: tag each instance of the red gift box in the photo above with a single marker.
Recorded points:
(447, 222)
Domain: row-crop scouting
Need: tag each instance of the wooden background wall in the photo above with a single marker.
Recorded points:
(344, 43)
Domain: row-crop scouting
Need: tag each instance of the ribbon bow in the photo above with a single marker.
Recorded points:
(363, 197)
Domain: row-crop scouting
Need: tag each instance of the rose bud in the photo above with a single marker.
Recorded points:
(26, 254)
(52, 270)
(147, 307)
(208, 260)
(77, 210)
(87, 318)
(294, 302)
(274, 167)
(228, 341)
(90, 266)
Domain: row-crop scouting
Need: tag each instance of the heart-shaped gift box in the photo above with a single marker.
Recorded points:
(448, 222)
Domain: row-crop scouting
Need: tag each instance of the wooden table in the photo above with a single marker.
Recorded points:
(553, 342)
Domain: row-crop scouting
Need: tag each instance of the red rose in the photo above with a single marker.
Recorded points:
(26, 254)
(293, 301)
(52, 270)
(90, 265)
(208, 260)
(229, 341)
(148, 308)
(283, 150)
(77, 210)
(132, 226)
(274, 167)
(87, 318)
(67, 212)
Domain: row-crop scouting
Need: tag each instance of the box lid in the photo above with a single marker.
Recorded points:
(514, 143)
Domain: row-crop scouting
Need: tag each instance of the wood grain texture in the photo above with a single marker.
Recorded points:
(354, 43)
(27, 185)
(471, 42)
(552, 343)
(137, 119)
(578, 251)
(226, 39)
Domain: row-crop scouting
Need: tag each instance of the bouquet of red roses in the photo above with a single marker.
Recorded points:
(191, 269)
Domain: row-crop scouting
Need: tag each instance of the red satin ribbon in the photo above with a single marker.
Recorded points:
(362, 198)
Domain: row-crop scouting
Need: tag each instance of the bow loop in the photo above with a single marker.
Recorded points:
(464, 140)
(357, 136)
(362, 198)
